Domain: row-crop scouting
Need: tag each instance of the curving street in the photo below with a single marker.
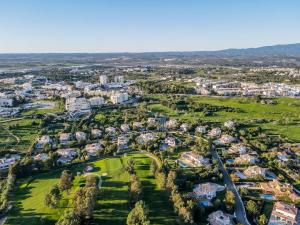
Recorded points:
(240, 211)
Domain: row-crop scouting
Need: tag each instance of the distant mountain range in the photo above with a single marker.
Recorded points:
(276, 55)
(275, 50)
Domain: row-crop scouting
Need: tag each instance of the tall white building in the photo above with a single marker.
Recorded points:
(119, 97)
(77, 106)
(119, 79)
(96, 101)
(103, 79)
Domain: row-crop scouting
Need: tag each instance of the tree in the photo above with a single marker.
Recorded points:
(53, 197)
(234, 177)
(252, 207)
(138, 215)
(161, 180)
(69, 218)
(65, 182)
(153, 167)
(91, 181)
(262, 220)
(130, 166)
(170, 179)
(135, 189)
(84, 202)
(229, 200)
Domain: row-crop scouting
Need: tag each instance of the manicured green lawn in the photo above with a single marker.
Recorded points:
(112, 207)
(286, 111)
(28, 200)
(112, 203)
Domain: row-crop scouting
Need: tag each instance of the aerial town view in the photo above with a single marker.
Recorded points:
(161, 112)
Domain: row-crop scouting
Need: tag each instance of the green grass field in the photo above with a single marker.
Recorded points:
(24, 131)
(112, 202)
(287, 111)
(22, 136)
(58, 107)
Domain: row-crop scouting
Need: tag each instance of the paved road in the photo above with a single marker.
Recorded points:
(240, 211)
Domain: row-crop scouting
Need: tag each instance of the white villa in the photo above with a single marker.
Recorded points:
(65, 138)
(207, 190)
(238, 148)
(245, 159)
(42, 141)
(219, 218)
(96, 133)
(93, 149)
(80, 136)
(125, 127)
(41, 157)
(201, 129)
(215, 132)
(192, 159)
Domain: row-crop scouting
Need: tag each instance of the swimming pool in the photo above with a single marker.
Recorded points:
(268, 196)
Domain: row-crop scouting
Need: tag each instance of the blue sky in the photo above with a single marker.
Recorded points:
(145, 25)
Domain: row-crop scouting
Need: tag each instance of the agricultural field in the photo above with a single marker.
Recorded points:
(282, 118)
(112, 203)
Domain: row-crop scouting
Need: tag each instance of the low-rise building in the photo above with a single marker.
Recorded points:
(215, 132)
(200, 129)
(111, 130)
(125, 127)
(245, 159)
(96, 133)
(284, 214)
(119, 98)
(8, 160)
(171, 141)
(219, 218)
(230, 124)
(6, 102)
(255, 171)
(65, 138)
(184, 127)
(43, 141)
(171, 124)
(41, 157)
(96, 101)
(145, 138)
(80, 136)
(238, 149)
(224, 140)
(77, 106)
(66, 155)
(122, 142)
(207, 190)
(192, 159)
(279, 189)
(93, 149)
(137, 125)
